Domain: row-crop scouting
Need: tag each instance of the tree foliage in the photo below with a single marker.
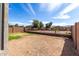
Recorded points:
(16, 25)
(41, 25)
(48, 25)
(37, 24)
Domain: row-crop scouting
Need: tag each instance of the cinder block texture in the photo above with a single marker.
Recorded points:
(73, 36)
(14, 29)
(77, 36)
(10, 29)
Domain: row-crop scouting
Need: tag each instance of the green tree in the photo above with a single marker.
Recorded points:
(41, 25)
(36, 24)
(48, 25)
(16, 25)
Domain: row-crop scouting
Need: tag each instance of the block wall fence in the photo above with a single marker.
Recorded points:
(75, 36)
(17, 29)
(14, 29)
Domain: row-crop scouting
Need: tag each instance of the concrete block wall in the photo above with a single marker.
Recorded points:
(14, 29)
(10, 29)
(18, 29)
(75, 36)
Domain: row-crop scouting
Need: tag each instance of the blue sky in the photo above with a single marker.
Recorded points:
(59, 13)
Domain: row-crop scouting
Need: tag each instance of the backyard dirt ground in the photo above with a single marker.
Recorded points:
(41, 45)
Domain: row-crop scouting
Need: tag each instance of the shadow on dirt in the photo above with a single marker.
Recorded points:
(68, 49)
(50, 34)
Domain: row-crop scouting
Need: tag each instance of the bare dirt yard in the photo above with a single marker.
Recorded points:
(41, 45)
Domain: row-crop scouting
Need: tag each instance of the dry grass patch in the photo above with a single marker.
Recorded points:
(13, 36)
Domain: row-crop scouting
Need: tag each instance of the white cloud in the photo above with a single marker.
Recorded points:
(39, 1)
(62, 17)
(31, 9)
(44, 22)
(49, 6)
(30, 21)
(19, 23)
(25, 8)
(77, 20)
(61, 24)
(63, 14)
(69, 8)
